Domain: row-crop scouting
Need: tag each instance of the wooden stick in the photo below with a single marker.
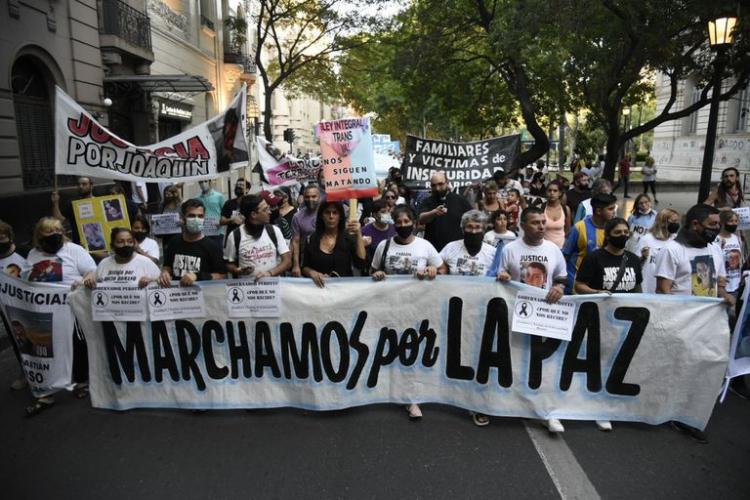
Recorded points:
(353, 209)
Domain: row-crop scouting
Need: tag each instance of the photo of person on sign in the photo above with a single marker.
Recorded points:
(224, 133)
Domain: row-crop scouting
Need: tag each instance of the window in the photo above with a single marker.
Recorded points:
(692, 125)
(743, 113)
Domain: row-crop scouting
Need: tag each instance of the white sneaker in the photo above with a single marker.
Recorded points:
(604, 425)
(554, 426)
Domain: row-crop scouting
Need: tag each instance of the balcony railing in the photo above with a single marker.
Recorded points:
(208, 23)
(122, 20)
(248, 64)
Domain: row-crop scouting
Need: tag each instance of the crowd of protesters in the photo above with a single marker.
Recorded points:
(564, 238)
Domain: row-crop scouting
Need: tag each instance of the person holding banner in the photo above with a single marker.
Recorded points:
(441, 213)
(469, 256)
(54, 259)
(12, 263)
(731, 248)
(192, 257)
(146, 246)
(256, 249)
(665, 227)
(126, 266)
(336, 246)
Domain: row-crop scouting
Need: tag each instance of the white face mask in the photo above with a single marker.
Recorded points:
(194, 225)
(385, 218)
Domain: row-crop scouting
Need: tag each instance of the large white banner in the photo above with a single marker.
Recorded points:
(739, 358)
(84, 147)
(40, 323)
(355, 342)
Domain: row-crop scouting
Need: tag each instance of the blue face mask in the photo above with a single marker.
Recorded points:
(194, 225)
(385, 218)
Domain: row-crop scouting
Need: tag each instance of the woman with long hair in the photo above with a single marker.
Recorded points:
(336, 246)
(641, 218)
(489, 203)
(557, 214)
(665, 227)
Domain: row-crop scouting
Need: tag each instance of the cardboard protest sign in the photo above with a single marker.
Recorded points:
(84, 147)
(631, 357)
(348, 162)
(464, 163)
(40, 323)
(95, 217)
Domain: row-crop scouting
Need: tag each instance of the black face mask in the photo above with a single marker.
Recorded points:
(618, 242)
(473, 242)
(5, 247)
(125, 252)
(404, 231)
(673, 227)
(709, 235)
(139, 236)
(730, 228)
(239, 192)
(52, 243)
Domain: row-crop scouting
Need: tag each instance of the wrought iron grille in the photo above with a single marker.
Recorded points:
(122, 20)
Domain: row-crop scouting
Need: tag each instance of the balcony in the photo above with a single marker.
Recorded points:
(249, 70)
(125, 29)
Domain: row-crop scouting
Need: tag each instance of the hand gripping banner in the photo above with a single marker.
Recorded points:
(84, 147)
(642, 358)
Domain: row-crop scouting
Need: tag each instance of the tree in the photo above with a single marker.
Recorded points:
(301, 37)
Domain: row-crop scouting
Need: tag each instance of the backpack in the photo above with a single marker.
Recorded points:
(237, 234)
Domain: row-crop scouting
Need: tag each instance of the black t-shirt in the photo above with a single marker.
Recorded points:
(201, 257)
(341, 261)
(599, 270)
(445, 228)
(574, 198)
(226, 211)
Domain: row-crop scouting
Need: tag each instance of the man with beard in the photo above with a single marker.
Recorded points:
(256, 249)
(303, 224)
(729, 192)
(64, 211)
(230, 212)
(441, 213)
(579, 192)
(691, 265)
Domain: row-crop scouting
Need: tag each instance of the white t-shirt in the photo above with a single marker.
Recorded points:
(150, 247)
(731, 249)
(66, 267)
(538, 265)
(493, 238)
(693, 271)
(459, 261)
(7, 265)
(111, 272)
(648, 267)
(406, 259)
(261, 254)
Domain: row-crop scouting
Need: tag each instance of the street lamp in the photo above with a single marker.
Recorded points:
(625, 127)
(720, 36)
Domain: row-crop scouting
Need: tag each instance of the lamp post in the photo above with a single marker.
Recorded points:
(720, 36)
(625, 127)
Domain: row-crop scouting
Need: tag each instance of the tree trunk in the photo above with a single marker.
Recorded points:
(519, 87)
(267, 131)
(614, 143)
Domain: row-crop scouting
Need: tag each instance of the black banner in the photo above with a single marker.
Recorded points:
(464, 163)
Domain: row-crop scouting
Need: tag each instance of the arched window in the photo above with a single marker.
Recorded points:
(32, 100)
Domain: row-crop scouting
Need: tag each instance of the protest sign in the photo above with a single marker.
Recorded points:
(631, 357)
(281, 169)
(743, 214)
(464, 163)
(84, 147)
(348, 162)
(95, 217)
(165, 224)
(118, 303)
(183, 302)
(40, 323)
(254, 299)
(533, 315)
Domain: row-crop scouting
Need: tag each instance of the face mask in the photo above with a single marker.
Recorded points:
(673, 227)
(52, 243)
(473, 242)
(404, 231)
(385, 218)
(312, 204)
(5, 247)
(239, 192)
(125, 252)
(730, 228)
(139, 236)
(194, 225)
(644, 211)
(709, 235)
(205, 186)
(618, 242)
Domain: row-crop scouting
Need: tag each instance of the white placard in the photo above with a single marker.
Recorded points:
(535, 316)
(183, 302)
(118, 303)
(86, 211)
(256, 299)
(162, 224)
(743, 213)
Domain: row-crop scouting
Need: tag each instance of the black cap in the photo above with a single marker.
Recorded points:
(601, 200)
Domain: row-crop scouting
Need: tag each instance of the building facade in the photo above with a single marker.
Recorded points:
(679, 144)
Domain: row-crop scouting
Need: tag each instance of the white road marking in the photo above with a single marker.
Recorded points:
(569, 477)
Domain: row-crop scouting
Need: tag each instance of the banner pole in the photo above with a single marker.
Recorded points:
(353, 209)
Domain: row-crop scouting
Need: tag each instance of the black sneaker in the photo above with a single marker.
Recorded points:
(696, 434)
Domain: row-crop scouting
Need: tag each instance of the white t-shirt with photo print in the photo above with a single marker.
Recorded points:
(693, 271)
(536, 265)
(731, 249)
(260, 254)
(406, 259)
(459, 261)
